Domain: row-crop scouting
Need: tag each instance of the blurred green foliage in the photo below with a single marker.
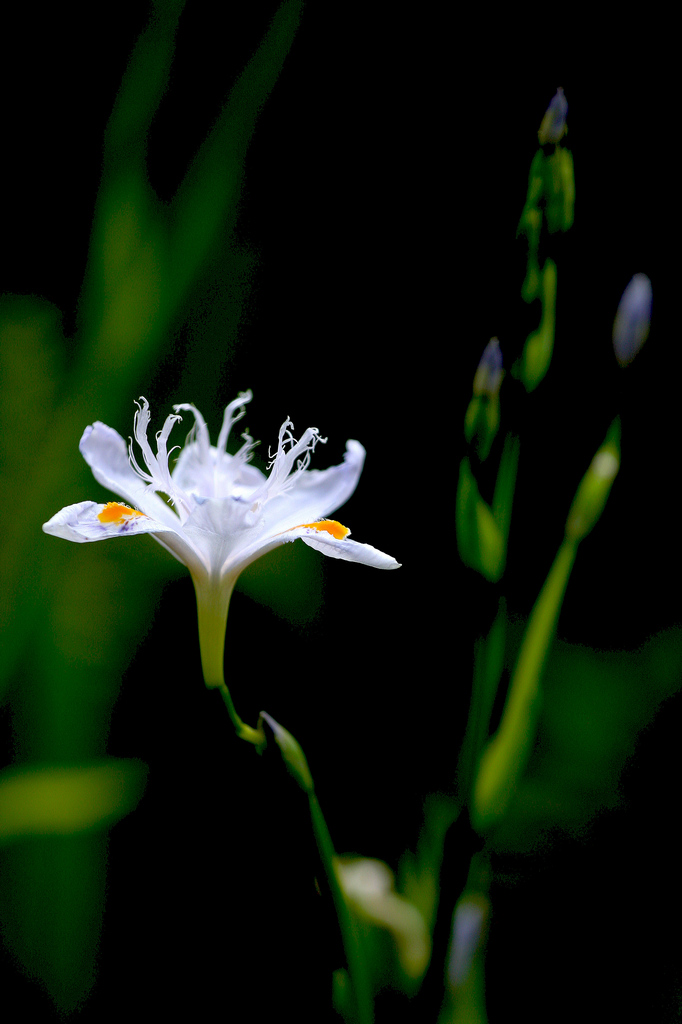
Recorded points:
(596, 705)
(53, 800)
(70, 625)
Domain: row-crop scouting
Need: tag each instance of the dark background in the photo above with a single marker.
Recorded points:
(382, 192)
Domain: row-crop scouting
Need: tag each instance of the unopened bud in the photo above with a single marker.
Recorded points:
(631, 325)
(291, 752)
(480, 541)
(482, 418)
(595, 486)
(370, 887)
(553, 123)
(468, 930)
(489, 373)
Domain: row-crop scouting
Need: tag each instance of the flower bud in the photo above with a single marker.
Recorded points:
(480, 541)
(291, 752)
(482, 418)
(489, 373)
(468, 931)
(595, 486)
(631, 325)
(553, 123)
(370, 887)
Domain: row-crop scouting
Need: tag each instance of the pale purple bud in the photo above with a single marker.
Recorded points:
(489, 373)
(554, 122)
(467, 930)
(631, 325)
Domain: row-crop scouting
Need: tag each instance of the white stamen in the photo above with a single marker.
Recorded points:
(231, 417)
(199, 432)
(158, 478)
(281, 478)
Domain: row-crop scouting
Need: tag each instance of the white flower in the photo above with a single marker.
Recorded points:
(213, 511)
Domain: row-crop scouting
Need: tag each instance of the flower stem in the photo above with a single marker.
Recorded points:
(213, 600)
(297, 764)
(349, 932)
(244, 731)
(506, 754)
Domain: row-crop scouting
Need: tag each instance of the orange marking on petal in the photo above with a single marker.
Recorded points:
(114, 512)
(328, 526)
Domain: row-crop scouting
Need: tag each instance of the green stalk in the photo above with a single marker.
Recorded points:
(349, 933)
(244, 731)
(213, 601)
(507, 753)
(295, 760)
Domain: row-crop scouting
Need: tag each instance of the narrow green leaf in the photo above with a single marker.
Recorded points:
(506, 754)
(58, 800)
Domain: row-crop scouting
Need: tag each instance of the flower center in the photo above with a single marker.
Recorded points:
(114, 512)
(329, 526)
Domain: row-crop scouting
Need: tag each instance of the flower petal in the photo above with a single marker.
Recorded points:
(216, 527)
(349, 550)
(217, 475)
(106, 453)
(315, 494)
(81, 523)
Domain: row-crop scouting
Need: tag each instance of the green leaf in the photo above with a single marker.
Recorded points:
(488, 668)
(58, 800)
(53, 821)
(596, 704)
(506, 755)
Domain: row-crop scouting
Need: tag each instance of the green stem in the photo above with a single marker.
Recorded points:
(349, 933)
(213, 601)
(244, 731)
(507, 752)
